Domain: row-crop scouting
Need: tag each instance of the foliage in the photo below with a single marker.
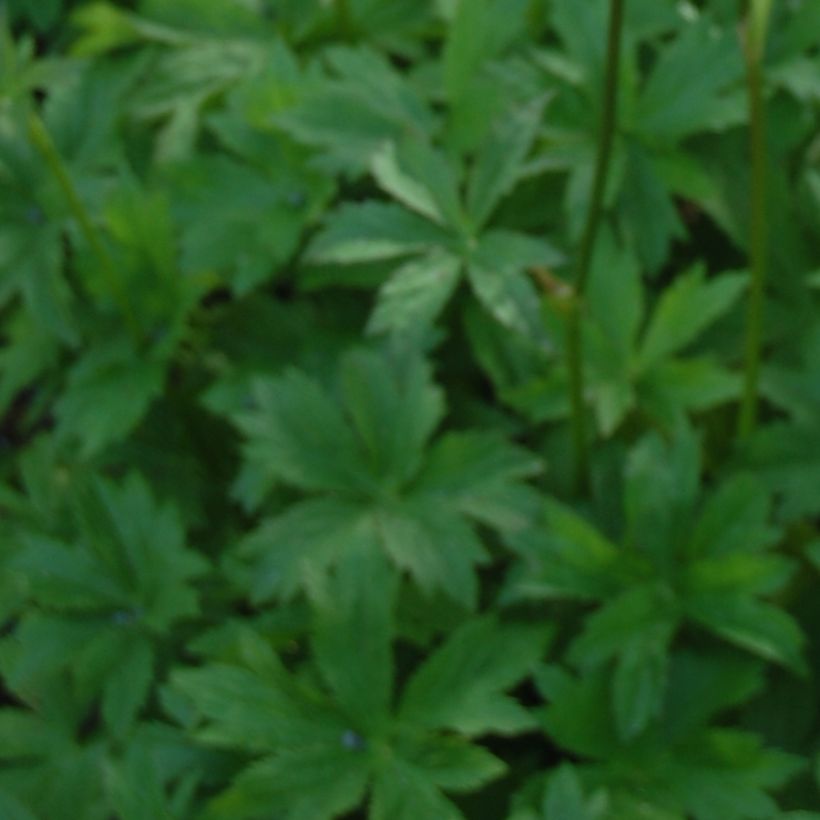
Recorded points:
(288, 524)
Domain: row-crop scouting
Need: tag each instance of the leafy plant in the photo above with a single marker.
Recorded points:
(381, 432)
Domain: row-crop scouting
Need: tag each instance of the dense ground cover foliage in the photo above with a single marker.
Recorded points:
(307, 508)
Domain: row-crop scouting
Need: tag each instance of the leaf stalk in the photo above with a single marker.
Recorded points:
(606, 137)
(754, 39)
(42, 141)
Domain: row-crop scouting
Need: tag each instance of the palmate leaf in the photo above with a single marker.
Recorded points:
(615, 297)
(685, 310)
(321, 747)
(238, 220)
(371, 231)
(500, 161)
(434, 544)
(478, 473)
(446, 232)
(660, 489)
(127, 686)
(564, 798)
(30, 248)
(42, 763)
(460, 686)
(786, 457)
(104, 599)
(296, 549)
(733, 768)
(711, 567)
(352, 639)
(635, 360)
(318, 782)
(372, 391)
(565, 557)
(673, 104)
(647, 209)
(409, 790)
(480, 32)
(109, 390)
(300, 435)
(351, 113)
(135, 784)
(761, 628)
(421, 178)
(636, 629)
(377, 488)
(497, 271)
(416, 293)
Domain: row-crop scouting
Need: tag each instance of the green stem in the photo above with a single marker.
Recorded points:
(606, 136)
(758, 236)
(44, 144)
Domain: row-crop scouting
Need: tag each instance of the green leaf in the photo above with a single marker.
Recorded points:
(482, 475)
(402, 792)
(480, 29)
(416, 293)
(564, 797)
(734, 520)
(351, 114)
(730, 776)
(579, 715)
(685, 310)
(676, 102)
(421, 178)
(499, 164)
(109, 390)
(26, 734)
(371, 231)
(13, 809)
(639, 686)
(430, 540)
(319, 782)
(651, 220)
(461, 685)
(375, 388)
(141, 542)
(450, 762)
(29, 352)
(615, 297)
(640, 620)
(260, 711)
(497, 272)
(296, 433)
(786, 458)
(352, 638)
(238, 218)
(67, 577)
(110, 597)
(466, 47)
(676, 386)
(46, 645)
(296, 549)
(759, 627)
(127, 687)
(705, 684)
(135, 785)
(661, 487)
(565, 557)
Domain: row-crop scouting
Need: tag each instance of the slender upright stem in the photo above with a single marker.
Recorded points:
(758, 229)
(44, 144)
(606, 136)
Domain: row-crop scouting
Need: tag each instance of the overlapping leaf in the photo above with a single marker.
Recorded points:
(376, 486)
